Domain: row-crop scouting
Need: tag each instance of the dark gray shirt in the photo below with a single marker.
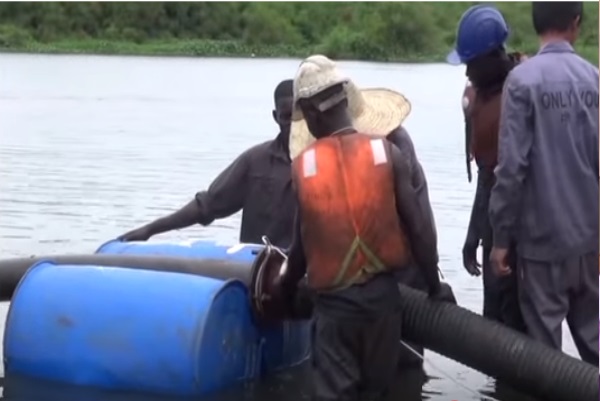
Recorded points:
(403, 141)
(259, 183)
(546, 191)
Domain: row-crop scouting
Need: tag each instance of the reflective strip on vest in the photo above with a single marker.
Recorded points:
(379, 156)
(310, 163)
(376, 264)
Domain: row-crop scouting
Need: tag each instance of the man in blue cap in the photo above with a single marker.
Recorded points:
(546, 191)
(481, 36)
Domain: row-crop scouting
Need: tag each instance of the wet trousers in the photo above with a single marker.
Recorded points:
(549, 293)
(354, 359)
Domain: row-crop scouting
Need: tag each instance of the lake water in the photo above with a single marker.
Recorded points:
(93, 146)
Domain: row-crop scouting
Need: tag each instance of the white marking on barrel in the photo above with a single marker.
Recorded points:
(236, 248)
(309, 163)
(187, 243)
(379, 156)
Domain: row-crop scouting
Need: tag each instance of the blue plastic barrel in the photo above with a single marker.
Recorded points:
(286, 344)
(131, 329)
(189, 249)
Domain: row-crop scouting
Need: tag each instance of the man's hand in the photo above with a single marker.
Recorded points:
(443, 294)
(499, 261)
(469, 255)
(139, 234)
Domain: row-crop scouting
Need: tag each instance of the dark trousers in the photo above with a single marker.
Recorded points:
(354, 359)
(549, 293)
(501, 294)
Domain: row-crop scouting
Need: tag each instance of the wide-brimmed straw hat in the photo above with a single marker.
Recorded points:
(374, 111)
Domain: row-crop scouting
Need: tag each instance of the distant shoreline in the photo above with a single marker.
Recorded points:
(188, 48)
(217, 49)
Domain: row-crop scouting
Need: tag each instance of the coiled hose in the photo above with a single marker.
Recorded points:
(496, 350)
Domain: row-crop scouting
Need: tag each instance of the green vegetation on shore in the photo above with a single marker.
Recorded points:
(360, 31)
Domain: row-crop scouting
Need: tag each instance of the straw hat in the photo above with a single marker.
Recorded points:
(374, 111)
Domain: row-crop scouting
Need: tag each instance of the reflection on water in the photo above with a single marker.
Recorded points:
(93, 146)
(292, 386)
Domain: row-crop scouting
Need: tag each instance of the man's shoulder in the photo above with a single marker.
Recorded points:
(400, 157)
(524, 73)
(261, 147)
(543, 67)
(258, 150)
(586, 66)
(401, 138)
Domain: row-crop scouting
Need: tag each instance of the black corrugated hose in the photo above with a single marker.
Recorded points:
(496, 350)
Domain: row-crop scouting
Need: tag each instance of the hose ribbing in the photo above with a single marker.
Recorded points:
(496, 350)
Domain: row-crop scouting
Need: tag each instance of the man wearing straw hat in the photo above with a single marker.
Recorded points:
(393, 109)
(358, 220)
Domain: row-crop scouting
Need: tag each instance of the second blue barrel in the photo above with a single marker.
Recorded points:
(131, 329)
(199, 249)
(285, 344)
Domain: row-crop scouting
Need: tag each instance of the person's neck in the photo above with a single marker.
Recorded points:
(336, 129)
(342, 130)
(340, 125)
(283, 140)
(554, 37)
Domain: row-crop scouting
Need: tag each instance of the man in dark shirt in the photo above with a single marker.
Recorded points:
(546, 191)
(257, 182)
(353, 208)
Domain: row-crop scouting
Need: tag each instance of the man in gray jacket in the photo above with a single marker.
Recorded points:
(546, 191)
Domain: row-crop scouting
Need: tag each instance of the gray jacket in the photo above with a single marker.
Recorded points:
(546, 191)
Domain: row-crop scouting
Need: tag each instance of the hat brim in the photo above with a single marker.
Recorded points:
(383, 111)
(453, 58)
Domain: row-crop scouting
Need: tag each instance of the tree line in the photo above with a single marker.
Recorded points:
(367, 31)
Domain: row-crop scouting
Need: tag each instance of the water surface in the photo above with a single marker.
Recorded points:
(93, 146)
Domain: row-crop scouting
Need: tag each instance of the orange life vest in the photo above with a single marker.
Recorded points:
(350, 225)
